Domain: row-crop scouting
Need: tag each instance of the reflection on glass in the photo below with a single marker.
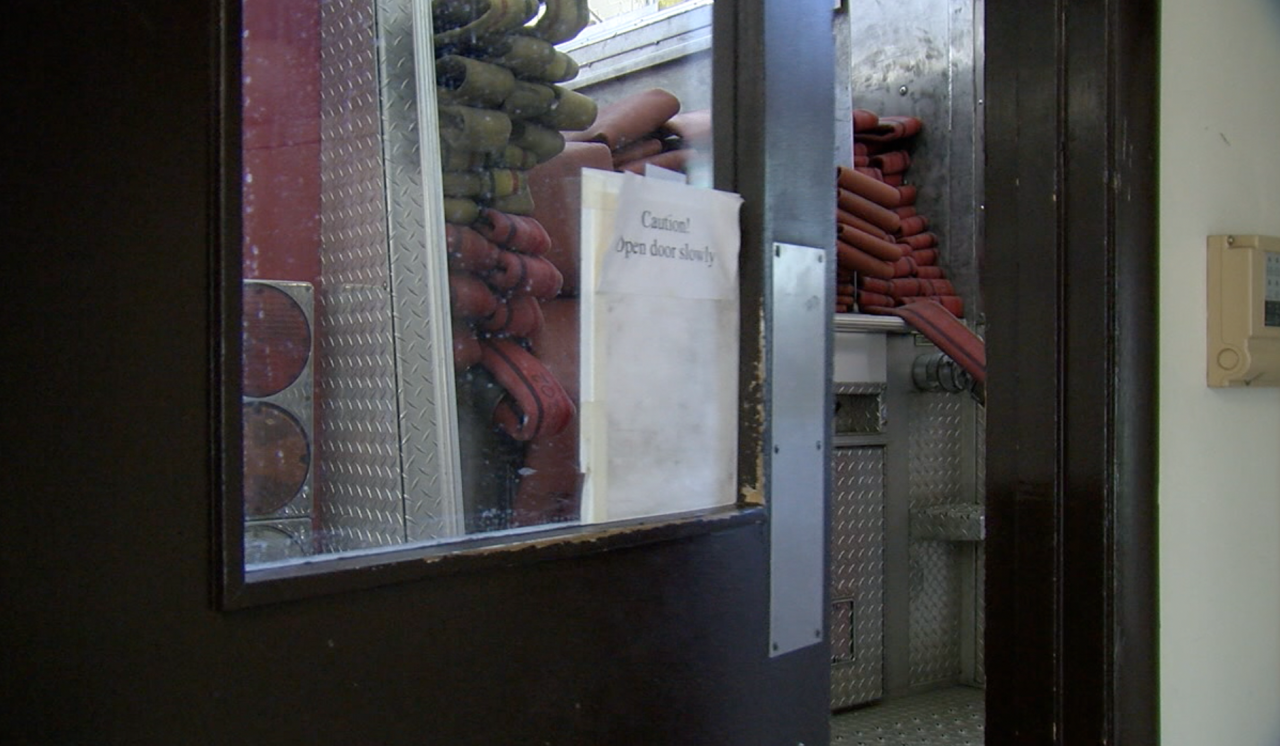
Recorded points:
(275, 542)
(277, 458)
(277, 340)
(409, 380)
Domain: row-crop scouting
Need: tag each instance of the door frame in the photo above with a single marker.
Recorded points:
(1070, 285)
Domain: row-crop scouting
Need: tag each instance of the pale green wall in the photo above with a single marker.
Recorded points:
(1219, 450)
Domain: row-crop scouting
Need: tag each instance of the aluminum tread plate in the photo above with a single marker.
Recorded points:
(965, 522)
(360, 459)
(980, 632)
(947, 717)
(859, 409)
(935, 613)
(858, 388)
(936, 455)
(384, 391)
(980, 643)
(421, 325)
(857, 575)
(843, 642)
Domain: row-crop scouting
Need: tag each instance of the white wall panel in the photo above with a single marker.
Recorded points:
(1219, 449)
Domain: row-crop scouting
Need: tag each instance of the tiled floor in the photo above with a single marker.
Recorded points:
(948, 717)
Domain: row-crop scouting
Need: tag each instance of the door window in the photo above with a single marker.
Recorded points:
(432, 199)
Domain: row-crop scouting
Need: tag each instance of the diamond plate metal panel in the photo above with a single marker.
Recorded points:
(360, 459)
(353, 235)
(980, 452)
(965, 522)
(980, 667)
(414, 220)
(387, 473)
(851, 685)
(936, 432)
(348, 70)
(857, 519)
(858, 414)
(980, 615)
(859, 408)
(937, 470)
(935, 613)
(843, 643)
(858, 388)
(857, 575)
(360, 467)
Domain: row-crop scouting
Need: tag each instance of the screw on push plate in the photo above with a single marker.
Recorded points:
(902, 91)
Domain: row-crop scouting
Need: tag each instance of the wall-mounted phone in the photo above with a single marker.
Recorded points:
(1244, 311)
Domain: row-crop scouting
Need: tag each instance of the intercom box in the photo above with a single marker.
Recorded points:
(1243, 345)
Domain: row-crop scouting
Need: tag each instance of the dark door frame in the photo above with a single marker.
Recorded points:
(1070, 286)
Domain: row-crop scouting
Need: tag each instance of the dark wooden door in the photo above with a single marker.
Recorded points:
(112, 632)
(110, 629)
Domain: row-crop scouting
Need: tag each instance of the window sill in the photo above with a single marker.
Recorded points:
(375, 568)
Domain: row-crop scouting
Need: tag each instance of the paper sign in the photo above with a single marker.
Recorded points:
(659, 380)
(672, 240)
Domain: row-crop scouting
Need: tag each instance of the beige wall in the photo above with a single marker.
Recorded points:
(1219, 450)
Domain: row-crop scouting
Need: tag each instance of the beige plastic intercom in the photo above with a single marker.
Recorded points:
(1244, 311)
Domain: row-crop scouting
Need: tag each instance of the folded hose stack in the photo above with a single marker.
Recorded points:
(625, 133)
(648, 128)
(501, 109)
(502, 113)
(886, 255)
(513, 146)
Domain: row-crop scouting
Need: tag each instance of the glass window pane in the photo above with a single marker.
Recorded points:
(413, 252)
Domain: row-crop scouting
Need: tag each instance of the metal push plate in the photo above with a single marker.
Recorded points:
(798, 410)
